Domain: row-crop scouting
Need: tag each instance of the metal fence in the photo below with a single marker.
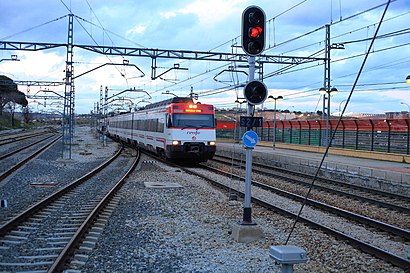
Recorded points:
(382, 135)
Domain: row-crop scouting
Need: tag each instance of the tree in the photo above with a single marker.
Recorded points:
(9, 93)
(27, 115)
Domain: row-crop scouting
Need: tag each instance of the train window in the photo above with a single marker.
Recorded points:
(169, 121)
(141, 125)
(160, 127)
(149, 125)
(193, 121)
(153, 125)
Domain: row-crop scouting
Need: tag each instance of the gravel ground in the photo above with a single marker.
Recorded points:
(179, 229)
(188, 229)
(48, 168)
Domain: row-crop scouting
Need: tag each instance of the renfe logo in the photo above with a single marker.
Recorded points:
(193, 133)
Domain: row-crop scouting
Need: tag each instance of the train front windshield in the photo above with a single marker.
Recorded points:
(192, 121)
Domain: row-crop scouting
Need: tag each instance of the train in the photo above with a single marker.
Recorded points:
(176, 129)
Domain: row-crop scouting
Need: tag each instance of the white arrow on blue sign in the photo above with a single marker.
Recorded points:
(250, 139)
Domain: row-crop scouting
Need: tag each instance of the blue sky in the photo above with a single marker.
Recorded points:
(295, 28)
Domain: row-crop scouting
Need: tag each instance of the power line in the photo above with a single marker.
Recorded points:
(92, 38)
(337, 125)
(383, 36)
(231, 41)
(32, 28)
(344, 34)
(363, 12)
(348, 58)
(109, 31)
(181, 84)
(367, 26)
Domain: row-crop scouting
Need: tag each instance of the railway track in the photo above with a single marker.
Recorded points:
(16, 137)
(382, 240)
(11, 166)
(43, 238)
(24, 147)
(397, 203)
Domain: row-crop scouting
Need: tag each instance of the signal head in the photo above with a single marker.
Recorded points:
(255, 92)
(253, 30)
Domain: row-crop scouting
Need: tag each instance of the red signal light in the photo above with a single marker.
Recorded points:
(255, 32)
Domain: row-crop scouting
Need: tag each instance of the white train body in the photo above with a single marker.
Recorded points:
(175, 129)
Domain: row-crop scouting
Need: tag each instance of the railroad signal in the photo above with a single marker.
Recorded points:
(255, 92)
(253, 30)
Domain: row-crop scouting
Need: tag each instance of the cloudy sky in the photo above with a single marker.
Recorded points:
(294, 28)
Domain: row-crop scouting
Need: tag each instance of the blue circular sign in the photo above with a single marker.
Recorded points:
(250, 139)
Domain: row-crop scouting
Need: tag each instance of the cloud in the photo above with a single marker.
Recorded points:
(200, 25)
(139, 29)
(34, 65)
(211, 12)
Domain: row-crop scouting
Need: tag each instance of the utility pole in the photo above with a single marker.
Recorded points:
(326, 85)
(68, 113)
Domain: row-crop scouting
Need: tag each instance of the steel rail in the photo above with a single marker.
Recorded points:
(334, 191)
(323, 206)
(12, 223)
(24, 147)
(326, 180)
(68, 250)
(373, 250)
(24, 161)
(18, 138)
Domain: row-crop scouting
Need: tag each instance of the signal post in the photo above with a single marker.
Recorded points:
(255, 92)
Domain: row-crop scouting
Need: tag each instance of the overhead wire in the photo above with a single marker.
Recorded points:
(92, 38)
(235, 38)
(342, 34)
(311, 32)
(32, 28)
(231, 41)
(283, 71)
(106, 31)
(363, 12)
(341, 19)
(383, 36)
(337, 125)
(300, 36)
(366, 26)
(110, 32)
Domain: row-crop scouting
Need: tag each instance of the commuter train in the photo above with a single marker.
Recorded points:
(176, 129)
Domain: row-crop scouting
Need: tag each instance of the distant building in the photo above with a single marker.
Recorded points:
(368, 116)
(268, 114)
(402, 114)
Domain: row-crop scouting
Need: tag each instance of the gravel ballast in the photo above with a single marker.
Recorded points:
(180, 229)
(188, 229)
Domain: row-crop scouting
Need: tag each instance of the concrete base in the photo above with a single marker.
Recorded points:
(246, 233)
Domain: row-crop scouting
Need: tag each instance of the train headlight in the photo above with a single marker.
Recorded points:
(176, 142)
(211, 143)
